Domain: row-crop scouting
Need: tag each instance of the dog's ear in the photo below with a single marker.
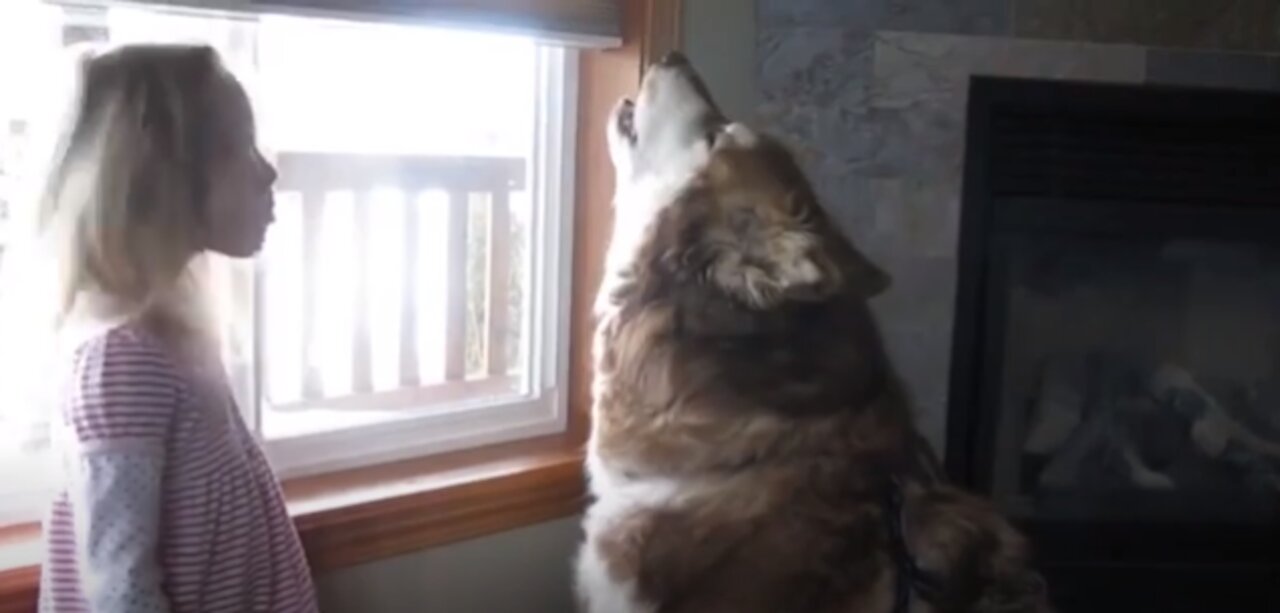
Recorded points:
(767, 255)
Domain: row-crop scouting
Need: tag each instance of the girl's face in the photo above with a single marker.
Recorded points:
(238, 203)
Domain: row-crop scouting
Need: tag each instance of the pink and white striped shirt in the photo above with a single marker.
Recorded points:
(169, 504)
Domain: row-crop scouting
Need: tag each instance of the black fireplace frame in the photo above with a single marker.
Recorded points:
(1140, 565)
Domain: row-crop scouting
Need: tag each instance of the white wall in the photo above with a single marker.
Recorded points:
(522, 571)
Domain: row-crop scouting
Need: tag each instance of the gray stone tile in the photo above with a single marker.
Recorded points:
(806, 75)
(854, 213)
(863, 14)
(794, 126)
(933, 70)
(847, 143)
(1213, 69)
(921, 293)
(851, 203)
(985, 17)
(1244, 25)
(861, 141)
(916, 317)
(1101, 21)
(813, 65)
(921, 354)
(918, 216)
(981, 17)
(920, 85)
(1201, 24)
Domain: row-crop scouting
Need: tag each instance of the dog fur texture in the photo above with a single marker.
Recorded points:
(745, 417)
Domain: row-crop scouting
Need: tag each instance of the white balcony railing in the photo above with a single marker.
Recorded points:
(477, 337)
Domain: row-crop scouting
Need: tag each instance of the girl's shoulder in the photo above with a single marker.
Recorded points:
(127, 354)
(129, 341)
(125, 385)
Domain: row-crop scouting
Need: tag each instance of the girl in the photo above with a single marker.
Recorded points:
(167, 503)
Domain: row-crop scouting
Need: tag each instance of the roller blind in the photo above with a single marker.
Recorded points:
(583, 23)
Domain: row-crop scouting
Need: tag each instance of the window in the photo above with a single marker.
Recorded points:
(412, 294)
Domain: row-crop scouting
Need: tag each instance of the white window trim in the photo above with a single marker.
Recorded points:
(473, 423)
(565, 30)
(24, 503)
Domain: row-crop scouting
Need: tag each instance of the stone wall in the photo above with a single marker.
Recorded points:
(872, 94)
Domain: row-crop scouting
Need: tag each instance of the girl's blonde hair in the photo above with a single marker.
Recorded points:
(117, 231)
(121, 211)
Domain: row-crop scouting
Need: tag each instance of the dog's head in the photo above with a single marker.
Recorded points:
(713, 201)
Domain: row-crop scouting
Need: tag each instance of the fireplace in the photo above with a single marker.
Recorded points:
(1116, 359)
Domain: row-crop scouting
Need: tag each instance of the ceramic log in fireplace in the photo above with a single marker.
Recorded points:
(1116, 361)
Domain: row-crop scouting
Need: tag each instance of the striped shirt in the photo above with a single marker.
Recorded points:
(168, 503)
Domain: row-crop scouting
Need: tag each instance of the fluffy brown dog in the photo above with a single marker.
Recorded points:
(751, 443)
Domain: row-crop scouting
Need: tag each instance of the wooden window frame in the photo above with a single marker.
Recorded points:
(366, 514)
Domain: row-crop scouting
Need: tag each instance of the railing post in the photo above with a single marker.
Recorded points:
(455, 332)
(497, 332)
(409, 370)
(361, 351)
(469, 286)
(313, 205)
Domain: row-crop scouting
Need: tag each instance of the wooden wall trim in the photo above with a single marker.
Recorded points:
(18, 590)
(605, 76)
(469, 501)
(663, 30)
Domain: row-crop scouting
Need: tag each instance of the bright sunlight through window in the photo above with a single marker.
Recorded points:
(410, 294)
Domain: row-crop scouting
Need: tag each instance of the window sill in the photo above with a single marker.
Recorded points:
(367, 514)
(19, 568)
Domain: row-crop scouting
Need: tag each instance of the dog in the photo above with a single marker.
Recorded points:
(751, 448)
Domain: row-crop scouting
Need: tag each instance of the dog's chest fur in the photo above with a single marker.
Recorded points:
(739, 471)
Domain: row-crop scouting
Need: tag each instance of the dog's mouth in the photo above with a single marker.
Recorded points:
(665, 125)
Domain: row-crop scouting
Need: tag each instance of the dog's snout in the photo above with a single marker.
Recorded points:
(674, 58)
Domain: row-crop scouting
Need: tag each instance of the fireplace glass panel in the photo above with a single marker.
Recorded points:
(1141, 379)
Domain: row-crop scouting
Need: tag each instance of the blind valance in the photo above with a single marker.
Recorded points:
(582, 23)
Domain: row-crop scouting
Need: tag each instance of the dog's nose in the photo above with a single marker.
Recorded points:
(673, 58)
